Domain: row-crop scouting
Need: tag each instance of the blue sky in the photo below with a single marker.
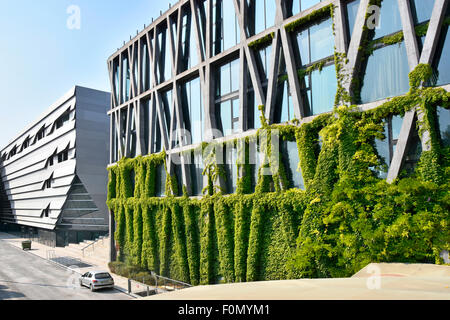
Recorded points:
(41, 58)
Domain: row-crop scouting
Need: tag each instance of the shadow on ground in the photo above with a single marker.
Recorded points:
(6, 295)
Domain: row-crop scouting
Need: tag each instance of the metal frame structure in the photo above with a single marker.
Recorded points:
(281, 44)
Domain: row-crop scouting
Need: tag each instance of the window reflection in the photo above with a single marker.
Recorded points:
(444, 125)
(227, 101)
(197, 167)
(226, 32)
(285, 110)
(386, 147)
(386, 73)
(352, 11)
(164, 69)
(261, 15)
(421, 10)
(441, 64)
(193, 110)
(230, 159)
(390, 21)
(316, 44)
(229, 117)
(189, 56)
(160, 181)
(289, 155)
(296, 6)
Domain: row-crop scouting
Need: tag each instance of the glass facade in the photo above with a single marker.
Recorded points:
(166, 105)
(421, 10)
(260, 15)
(351, 12)
(227, 97)
(189, 55)
(443, 116)
(227, 78)
(285, 106)
(146, 73)
(230, 159)
(226, 32)
(289, 155)
(314, 44)
(296, 6)
(441, 63)
(386, 69)
(197, 168)
(193, 110)
(125, 80)
(390, 21)
(160, 181)
(386, 73)
(264, 62)
(164, 69)
(386, 147)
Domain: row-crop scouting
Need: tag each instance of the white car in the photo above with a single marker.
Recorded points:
(97, 280)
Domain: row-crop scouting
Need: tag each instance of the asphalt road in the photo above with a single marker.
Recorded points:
(24, 276)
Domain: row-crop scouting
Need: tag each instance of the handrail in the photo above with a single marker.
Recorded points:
(93, 243)
(161, 283)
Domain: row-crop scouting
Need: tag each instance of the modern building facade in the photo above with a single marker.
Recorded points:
(53, 176)
(200, 71)
(220, 72)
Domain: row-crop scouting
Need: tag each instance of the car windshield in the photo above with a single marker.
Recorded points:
(104, 275)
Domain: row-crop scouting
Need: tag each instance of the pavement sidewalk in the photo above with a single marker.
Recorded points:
(86, 265)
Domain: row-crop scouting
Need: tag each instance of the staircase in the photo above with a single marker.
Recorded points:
(95, 252)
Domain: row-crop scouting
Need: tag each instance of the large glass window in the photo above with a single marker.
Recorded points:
(413, 152)
(421, 10)
(386, 73)
(125, 79)
(296, 6)
(189, 56)
(116, 79)
(146, 74)
(229, 116)
(387, 146)
(201, 14)
(164, 69)
(166, 100)
(226, 32)
(285, 110)
(316, 44)
(230, 159)
(289, 155)
(227, 93)
(156, 131)
(145, 112)
(352, 11)
(193, 110)
(261, 15)
(441, 63)
(160, 181)
(444, 125)
(264, 62)
(390, 21)
(227, 80)
(197, 173)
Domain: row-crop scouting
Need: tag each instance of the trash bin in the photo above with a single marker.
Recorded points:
(26, 245)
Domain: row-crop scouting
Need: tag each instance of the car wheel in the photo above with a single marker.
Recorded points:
(91, 287)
